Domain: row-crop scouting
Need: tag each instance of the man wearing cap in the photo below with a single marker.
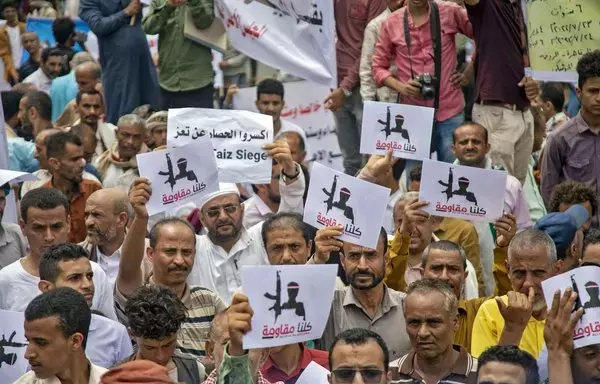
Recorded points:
(228, 246)
(156, 130)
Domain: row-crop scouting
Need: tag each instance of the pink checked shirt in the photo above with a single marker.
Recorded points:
(391, 46)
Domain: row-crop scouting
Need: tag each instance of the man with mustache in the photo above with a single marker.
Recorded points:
(67, 265)
(107, 212)
(57, 325)
(12, 244)
(518, 318)
(367, 302)
(172, 252)
(45, 222)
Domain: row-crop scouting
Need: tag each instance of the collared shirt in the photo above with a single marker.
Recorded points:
(467, 311)
(202, 305)
(235, 370)
(556, 121)
(255, 211)
(351, 19)
(572, 153)
(108, 342)
(391, 48)
(41, 81)
(219, 270)
(30, 378)
(488, 326)
(535, 203)
(44, 176)
(18, 287)
(12, 244)
(20, 155)
(499, 62)
(368, 88)
(78, 230)
(184, 64)
(347, 312)
(464, 370)
(272, 373)
(110, 264)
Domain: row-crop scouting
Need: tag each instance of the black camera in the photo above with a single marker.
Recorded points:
(427, 82)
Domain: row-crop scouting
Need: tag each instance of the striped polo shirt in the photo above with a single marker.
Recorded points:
(463, 372)
(202, 305)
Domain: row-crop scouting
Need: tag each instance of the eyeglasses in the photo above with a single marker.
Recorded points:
(369, 375)
(229, 210)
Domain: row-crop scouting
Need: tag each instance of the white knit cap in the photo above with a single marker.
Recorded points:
(224, 189)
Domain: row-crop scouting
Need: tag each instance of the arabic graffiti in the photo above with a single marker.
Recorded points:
(234, 20)
(342, 203)
(293, 289)
(321, 132)
(9, 358)
(225, 134)
(300, 110)
(463, 184)
(324, 155)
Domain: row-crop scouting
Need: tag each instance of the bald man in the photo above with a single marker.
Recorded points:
(64, 88)
(107, 212)
(43, 174)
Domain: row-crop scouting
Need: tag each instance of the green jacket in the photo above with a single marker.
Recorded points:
(235, 369)
(184, 65)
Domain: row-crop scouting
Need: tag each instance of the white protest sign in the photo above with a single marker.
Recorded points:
(12, 346)
(237, 138)
(404, 128)
(304, 108)
(179, 175)
(335, 198)
(313, 374)
(463, 192)
(291, 303)
(585, 282)
(296, 36)
(7, 175)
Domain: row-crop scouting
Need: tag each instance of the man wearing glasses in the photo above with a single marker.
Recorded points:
(430, 310)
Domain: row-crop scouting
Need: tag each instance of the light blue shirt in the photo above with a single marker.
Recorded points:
(63, 90)
(108, 342)
(20, 155)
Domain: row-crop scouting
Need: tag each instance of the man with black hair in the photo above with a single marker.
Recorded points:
(568, 193)
(10, 107)
(12, 244)
(51, 64)
(90, 107)
(591, 248)
(67, 265)
(63, 29)
(552, 96)
(507, 364)
(567, 155)
(35, 112)
(44, 221)
(57, 325)
(10, 40)
(155, 315)
(66, 163)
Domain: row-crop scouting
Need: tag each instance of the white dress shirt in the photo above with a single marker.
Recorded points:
(219, 270)
(41, 81)
(30, 378)
(108, 342)
(18, 287)
(255, 211)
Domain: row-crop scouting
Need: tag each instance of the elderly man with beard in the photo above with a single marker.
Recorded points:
(12, 244)
(367, 302)
(107, 212)
(172, 252)
(228, 246)
(518, 317)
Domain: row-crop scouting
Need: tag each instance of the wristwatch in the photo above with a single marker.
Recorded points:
(347, 93)
(290, 177)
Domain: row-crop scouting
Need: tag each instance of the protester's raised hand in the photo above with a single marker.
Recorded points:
(561, 322)
(506, 228)
(139, 194)
(326, 241)
(517, 312)
(412, 215)
(239, 320)
(280, 151)
(378, 167)
(231, 91)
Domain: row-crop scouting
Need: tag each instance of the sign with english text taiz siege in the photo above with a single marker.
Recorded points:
(405, 129)
(237, 137)
(462, 192)
(291, 303)
(335, 198)
(179, 175)
(585, 281)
